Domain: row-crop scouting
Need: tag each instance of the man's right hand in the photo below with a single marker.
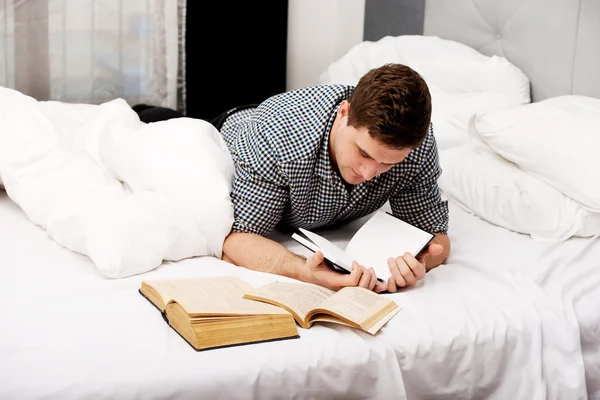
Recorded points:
(321, 274)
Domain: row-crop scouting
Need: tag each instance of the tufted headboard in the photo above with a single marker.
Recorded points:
(556, 43)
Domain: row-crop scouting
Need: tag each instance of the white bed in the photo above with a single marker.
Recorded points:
(507, 316)
(68, 332)
(504, 309)
(484, 321)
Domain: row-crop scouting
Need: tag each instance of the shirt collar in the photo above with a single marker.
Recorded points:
(323, 166)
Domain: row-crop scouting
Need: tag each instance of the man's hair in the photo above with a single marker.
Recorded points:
(394, 104)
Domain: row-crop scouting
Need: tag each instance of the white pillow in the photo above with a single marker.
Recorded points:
(556, 140)
(461, 80)
(485, 184)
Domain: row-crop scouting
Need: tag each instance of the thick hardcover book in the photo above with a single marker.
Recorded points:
(211, 313)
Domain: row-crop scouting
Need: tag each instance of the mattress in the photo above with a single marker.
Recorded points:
(503, 309)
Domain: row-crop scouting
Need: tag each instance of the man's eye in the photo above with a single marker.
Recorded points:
(363, 154)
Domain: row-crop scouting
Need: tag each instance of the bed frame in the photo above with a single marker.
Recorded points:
(556, 43)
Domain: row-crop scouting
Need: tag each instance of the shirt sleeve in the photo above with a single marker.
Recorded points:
(259, 189)
(420, 202)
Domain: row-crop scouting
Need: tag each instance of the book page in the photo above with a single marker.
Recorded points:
(384, 236)
(300, 298)
(379, 324)
(357, 304)
(330, 250)
(164, 288)
(214, 296)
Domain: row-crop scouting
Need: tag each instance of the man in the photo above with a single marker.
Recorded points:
(328, 154)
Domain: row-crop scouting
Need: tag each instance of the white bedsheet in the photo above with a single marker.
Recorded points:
(497, 321)
(68, 332)
(504, 309)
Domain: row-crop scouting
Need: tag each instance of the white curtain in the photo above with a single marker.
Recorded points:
(92, 51)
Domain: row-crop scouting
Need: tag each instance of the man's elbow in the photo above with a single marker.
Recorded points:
(237, 245)
(229, 244)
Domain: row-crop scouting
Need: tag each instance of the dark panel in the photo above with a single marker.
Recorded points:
(393, 18)
(235, 54)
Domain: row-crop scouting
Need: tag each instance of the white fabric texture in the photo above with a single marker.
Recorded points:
(461, 80)
(504, 309)
(127, 194)
(101, 339)
(498, 191)
(556, 140)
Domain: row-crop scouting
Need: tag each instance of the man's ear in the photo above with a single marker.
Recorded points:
(344, 108)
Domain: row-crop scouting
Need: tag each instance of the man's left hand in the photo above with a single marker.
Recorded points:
(406, 270)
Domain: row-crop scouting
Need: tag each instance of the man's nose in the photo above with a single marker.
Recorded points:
(369, 170)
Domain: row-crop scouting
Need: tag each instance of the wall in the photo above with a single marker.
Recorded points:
(320, 32)
(393, 18)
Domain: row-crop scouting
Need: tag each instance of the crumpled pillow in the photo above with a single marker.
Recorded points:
(556, 140)
(127, 194)
(483, 183)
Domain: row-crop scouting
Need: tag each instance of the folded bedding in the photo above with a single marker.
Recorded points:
(101, 183)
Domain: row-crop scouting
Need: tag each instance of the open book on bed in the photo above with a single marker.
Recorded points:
(352, 306)
(224, 311)
(381, 237)
(211, 312)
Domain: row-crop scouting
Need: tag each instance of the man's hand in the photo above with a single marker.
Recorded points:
(321, 274)
(407, 270)
(261, 254)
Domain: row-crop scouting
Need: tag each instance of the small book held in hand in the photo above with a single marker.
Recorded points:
(381, 237)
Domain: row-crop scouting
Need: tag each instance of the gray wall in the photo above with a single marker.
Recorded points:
(382, 18)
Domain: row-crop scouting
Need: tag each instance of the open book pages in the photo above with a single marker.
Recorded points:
(352, 306)
(384, 236)
(381, 237)
(212, 312)
(207, 296)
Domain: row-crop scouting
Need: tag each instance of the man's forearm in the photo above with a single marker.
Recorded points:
(261, 254)
(434, 261)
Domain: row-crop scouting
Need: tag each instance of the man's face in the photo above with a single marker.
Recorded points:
(358, 156)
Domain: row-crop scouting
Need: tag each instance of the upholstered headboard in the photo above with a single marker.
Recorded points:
(556, 43)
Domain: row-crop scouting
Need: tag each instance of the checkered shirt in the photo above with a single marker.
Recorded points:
(284, 174)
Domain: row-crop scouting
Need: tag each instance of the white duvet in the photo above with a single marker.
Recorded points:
(127, 194)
